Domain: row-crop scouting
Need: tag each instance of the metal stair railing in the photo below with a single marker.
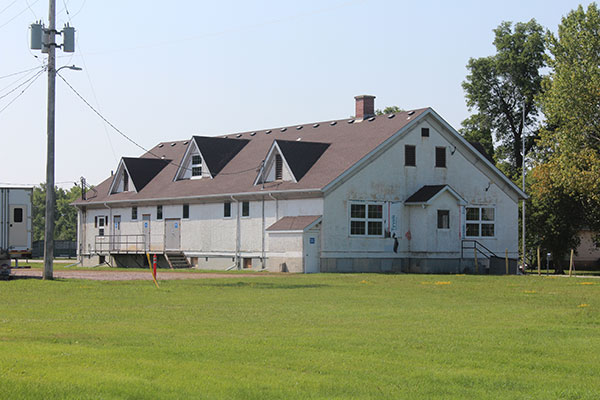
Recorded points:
(477, 247)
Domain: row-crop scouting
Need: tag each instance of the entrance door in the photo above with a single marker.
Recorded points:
(172, 233)
(312, 251)
(117, 232)
(146, 230)
(17, 228)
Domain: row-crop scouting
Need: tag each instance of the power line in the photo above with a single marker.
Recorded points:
(21, 84)
(8, 6)
(133, 141)
(16, 16)
(20, 94)
(19, 73)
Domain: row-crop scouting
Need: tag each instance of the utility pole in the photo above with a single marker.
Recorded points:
(50, 194)
(45, 40)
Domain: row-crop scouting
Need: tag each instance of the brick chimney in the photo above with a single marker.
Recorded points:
(365, 106)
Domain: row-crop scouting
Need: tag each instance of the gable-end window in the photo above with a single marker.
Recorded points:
(440, 157)
(443, 219)
(410, 155)
(245, 209)
(227, 209)
(134, 213)
(159, 212)
(278, 167)
(196, 165)
(186, 211)
(480, 222)
(125, 182)
(366, 219)
(424, 132)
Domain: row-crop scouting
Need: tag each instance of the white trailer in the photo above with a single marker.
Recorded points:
(16, 216)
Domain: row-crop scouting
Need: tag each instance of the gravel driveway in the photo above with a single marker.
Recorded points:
(129, 276)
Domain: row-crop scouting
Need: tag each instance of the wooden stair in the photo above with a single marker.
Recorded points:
(177, 260)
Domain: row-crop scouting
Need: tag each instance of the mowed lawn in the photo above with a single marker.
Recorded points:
(324, 336)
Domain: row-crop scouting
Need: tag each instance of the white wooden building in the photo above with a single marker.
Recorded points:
(399, 192)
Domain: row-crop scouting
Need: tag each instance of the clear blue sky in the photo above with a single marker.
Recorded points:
(163, 71)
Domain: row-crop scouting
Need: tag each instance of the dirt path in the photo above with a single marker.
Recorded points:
(129, 276)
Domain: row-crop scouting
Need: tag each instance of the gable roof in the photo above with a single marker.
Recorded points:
(217, 152)
(301, 156)
(351, 145)
(428, 193)
(294, 223)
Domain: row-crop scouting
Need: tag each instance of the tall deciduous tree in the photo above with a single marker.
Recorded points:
(66, 215)
(502, 90)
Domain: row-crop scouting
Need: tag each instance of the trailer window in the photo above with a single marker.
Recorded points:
(18, 215)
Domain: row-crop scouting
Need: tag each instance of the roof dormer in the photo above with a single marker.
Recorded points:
(205, 157)
(289, 161)
(133, 174)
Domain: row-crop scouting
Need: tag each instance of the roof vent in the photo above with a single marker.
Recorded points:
(372, 119)
(161, 145)
(299, 127)
(268, 132)
(315, 125)
(173, 144)
(238, 135)
(299, 139)
(283, 129)
(411, 112)
(162, 157)
(253, 133)
(332, 123)
(390, 116)
(185, 143)
(350, 121)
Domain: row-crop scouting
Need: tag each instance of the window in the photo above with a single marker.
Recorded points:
(133, 213)
(101, 232)
(440, 157)
(480, 222)
(125, 182)
(410, 156)
(18, 215)
(227, 209)
(443, 219)
(101, 221)
(425, 132)
(278, 167)
(196, 165)
(366, 219)
(159, 212)
(186, 211)
(245, 209)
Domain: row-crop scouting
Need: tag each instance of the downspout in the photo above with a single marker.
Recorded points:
(262, 258)
(237, 232)
(109, 222)
(276, 206)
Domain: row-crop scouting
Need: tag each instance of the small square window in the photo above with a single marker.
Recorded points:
(375, 228)
(440, 157)
(245, 209)
(134, 213)
(186, 211)
(443, 219)
(357, 227)
(196, 171)
(487, 230)
(375, 211)
(357, 210)
(196, 160)
(473, 230)
(410, 156)
(472, 214)
(487, 214)
(159, 212)
(425, 132)
(227, 209)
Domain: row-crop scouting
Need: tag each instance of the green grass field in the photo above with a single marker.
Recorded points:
(321, 336)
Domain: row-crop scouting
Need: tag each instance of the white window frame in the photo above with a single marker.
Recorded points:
(437, 219)
(230, 210)
(241, 210)
(480, 221)
(366, 219)
(192, 165)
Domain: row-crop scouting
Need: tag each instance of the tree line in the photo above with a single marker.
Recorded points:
(66, 214)
(555, 115)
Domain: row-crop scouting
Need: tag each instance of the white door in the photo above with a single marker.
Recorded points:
(312, 252)
(146, 230)
(17, 228)
(172, 234)
(117, 232)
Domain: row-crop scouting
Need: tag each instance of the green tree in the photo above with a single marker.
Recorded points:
(66, 215)
(389, 110)
(502, 90)
(478, 128)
